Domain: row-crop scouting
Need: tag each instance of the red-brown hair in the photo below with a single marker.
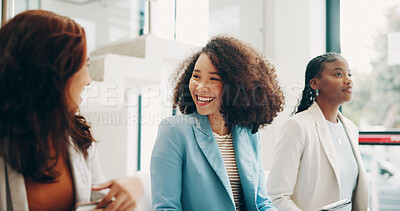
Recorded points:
(39, 52)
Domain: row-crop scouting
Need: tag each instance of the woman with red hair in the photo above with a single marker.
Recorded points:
(48, 159)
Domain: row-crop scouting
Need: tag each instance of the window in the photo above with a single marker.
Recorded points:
(370, 41)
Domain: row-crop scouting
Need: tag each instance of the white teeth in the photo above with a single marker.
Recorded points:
(205, 99)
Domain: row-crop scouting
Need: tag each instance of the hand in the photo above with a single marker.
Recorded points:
(126, 191)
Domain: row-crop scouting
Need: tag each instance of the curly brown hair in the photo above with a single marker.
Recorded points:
(251, 95)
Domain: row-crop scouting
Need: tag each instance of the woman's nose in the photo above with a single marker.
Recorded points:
(348, 80)
(88, 79)
(202, 86)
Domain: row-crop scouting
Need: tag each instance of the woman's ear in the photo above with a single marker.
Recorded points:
(314, 83)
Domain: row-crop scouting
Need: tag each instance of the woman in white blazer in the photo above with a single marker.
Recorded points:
(48, 158)
(317, 160)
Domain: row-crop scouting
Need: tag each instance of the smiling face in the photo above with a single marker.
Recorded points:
(76, 85)
(206, 87)
(334, 83)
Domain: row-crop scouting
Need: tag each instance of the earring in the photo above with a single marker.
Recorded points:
(316, 92)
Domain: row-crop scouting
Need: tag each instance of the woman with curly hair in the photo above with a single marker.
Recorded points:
(48, 159)
(210, 157)
(317, 160)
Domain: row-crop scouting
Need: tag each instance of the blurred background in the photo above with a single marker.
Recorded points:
(135, 45)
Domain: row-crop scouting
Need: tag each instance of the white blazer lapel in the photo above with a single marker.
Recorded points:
(352, 134)
(16, 182)
(208, 145)
(361, 200)
(81, 175)
(324, 137)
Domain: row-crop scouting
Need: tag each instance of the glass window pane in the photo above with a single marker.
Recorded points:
(233, 17)
(382, 165)
(104, 21)
(22, 5)
(371, 43)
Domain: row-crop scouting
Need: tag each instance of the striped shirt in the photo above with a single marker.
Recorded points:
(225, 146)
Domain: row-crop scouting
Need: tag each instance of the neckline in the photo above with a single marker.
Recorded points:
(222, 136)
(337, 124)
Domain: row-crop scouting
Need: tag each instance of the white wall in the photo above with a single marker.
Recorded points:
(295, 33)
(242, 19)
(181, 20)
(192, 21)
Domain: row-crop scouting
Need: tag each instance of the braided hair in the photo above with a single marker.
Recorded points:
(314, 68)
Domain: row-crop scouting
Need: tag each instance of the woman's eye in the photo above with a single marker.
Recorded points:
(338, 74)
(215, 79)
(195, 76)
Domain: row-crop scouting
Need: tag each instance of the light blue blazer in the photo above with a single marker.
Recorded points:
(188, 172)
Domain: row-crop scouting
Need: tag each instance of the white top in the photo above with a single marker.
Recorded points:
(347, 161)
(85, 171)
(225, 146)
(305, 172)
